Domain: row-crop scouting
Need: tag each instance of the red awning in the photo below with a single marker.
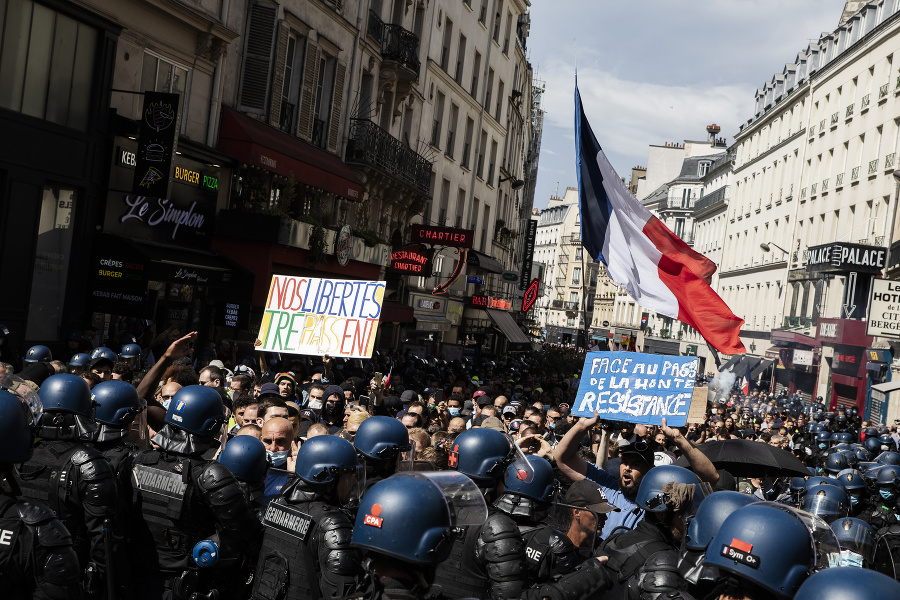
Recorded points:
(255, 143)
(396, 312)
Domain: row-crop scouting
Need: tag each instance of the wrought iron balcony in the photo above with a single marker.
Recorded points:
(865, 102)
(286, 118)
(873, 166)
(849, 111)
(397, 44)
(370, 144)
(720, 196)
(882, 91)
(854, 174)
(679, 203)
(889, 160)
(564, 305)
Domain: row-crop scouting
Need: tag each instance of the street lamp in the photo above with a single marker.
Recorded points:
(516, 183)
(767, 246)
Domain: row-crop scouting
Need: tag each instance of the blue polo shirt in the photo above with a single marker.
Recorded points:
(610, 485)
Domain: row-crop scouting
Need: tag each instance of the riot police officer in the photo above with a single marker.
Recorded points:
(381, 442)
(245, 457)
(306, 550)
(847, 583)
(38, 354)
(36, 555)
(399, 553)
(181, 497)
(486, 561)
(548, 551)
(883, 512)
(71, 477)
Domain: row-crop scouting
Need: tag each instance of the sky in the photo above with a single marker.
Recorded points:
(656, 71)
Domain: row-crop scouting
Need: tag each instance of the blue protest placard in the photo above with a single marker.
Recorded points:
(637, 388)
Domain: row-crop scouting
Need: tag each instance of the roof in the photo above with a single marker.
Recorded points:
(690, 170)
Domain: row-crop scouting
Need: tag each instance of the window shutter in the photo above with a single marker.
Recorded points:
(278, 74)
(257, 58)
(337, 102)
(308, 101)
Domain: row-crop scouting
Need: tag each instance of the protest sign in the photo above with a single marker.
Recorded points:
(637, 388)
(307, 315)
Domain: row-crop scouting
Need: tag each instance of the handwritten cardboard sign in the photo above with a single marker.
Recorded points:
(307, 315)
(637, 388)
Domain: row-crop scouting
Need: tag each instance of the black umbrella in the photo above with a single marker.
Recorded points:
(748, 458)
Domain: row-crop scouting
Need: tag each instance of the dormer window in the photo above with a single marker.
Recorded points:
(702, 168)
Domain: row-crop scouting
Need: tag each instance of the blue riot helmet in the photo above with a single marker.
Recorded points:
(196, 409)
(772, 546)
(80, 360)
(818, 479)
(20, 411)
(888, 458)
(702, 527)
(847, 583)
(652, 496)
(798, 490)
(835, 463)
(853, 482)
(870, 432)
(38, 354)
(817, 415)
(857, 540)
(887, 483)
(872, 444)
(484, 455)
(382, 442)
(829, 502)
(822, 439)
(531, 499)
(130, 352)
(245, 457)
(440, 501)
(68, 409)
(116, 405)
(104, 352)
(327, 461)
(862, 455)
(887, 442)
(844, 437)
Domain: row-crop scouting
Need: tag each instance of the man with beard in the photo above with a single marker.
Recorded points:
(333, 409)
(637, 459)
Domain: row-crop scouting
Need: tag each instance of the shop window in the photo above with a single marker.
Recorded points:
(160, 75)
(46, 64)
(51, 263)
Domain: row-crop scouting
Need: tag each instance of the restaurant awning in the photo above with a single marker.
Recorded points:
(255, 143)
(483, 261)
(761, 368)
(509, 328)
(432, 323)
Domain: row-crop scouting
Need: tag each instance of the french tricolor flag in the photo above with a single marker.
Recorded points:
(641, 254)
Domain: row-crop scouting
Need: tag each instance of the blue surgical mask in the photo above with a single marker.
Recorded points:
(886, 493)
(551, 425)
(854, 500)
(454, 411)
(277, 459)
(166, 403)
(851, 559)
(822, 445)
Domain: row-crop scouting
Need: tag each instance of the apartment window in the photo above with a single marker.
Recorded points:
(484, 228)
(576, 276)
(324, 91)
(438, 120)
(497, 23)
(703, 169)
(46, 65)
(51, 267)
(483, 14)
(445, 50)
(476, 69)
(445, 201)
(578, 253)
(481, 148)
(460, 59)
(499, 100)
(489, 90)
(490, 177)
(467, 144)
(686, 198)
(573, 297)
(451, 130)
(293, 81)
(508, 30)
(679, 227)
(160, 75)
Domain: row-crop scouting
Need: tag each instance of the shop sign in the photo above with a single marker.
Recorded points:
(157, 141)
(429, 304)
(479, 300)
(528, 259)
(475, 279)
(308, 315)
(828, 330)
(126, 158)
(531, 295)
(443, 236)
(636, 388)
(412, 259)
(153, 212)
(510, 276)
(803, 357)
(343, 244)
(482, 301)
(846, 258)
(232, 314)
(884, 309)
(846, 359)
(118, 282)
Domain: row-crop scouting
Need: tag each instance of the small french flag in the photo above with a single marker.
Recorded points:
(641, 254)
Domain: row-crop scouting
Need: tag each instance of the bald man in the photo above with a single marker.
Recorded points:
(316, 429)
(277, 436)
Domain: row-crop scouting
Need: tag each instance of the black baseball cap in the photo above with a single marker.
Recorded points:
(588, 494)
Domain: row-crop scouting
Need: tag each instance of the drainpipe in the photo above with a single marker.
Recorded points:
(215, 99)
(353, 70)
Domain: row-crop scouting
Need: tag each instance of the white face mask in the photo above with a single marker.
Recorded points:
(315, 404)
(166, 403)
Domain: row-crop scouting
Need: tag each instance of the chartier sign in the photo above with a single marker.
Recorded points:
(443, 236)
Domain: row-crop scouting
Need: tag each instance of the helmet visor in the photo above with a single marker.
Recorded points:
(828, 507)
(406, 458)
(351, 484)
(464, 499)
(19, 387)
(857, 539)
(517, 461)
(826, 549)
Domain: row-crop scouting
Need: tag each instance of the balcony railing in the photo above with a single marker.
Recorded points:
(889, 160)
(286, 117)
(849, 111)
(564, 305)
(717, 197)
(372, 145)
(834, 119)
(873, 166)
(882, 91)
(397, 44)
(865, 102)
(839, 180)
(320, 133)
(335, 4)
(854, 174)
(680, 203)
